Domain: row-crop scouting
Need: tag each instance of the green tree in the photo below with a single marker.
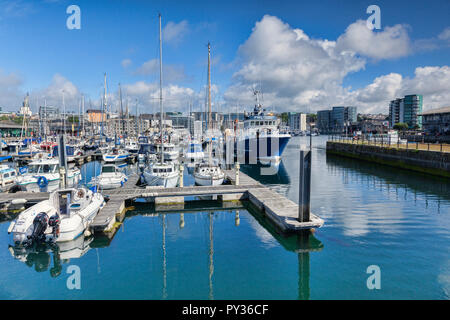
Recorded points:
(312, 117)
(401, 126)
(284, 117)
(73, 119)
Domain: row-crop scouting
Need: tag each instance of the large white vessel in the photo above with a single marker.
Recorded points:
(43, 176)
(63, 217)
(260, 141)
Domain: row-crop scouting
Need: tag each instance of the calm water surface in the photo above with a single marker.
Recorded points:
(374, 215)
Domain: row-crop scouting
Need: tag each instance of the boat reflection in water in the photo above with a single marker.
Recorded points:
(302, 244)
(267, 174)
(40, 256)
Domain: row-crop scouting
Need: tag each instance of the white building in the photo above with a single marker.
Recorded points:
(297, 121)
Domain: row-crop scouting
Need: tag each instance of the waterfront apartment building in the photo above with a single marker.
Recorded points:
(324, 121)
(95, 116)
(297, 122)
(437, 121)
(336, 119)
(406, 110)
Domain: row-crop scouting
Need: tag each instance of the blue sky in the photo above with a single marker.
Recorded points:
(36, 46)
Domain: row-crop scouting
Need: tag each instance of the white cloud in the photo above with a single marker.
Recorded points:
(291, 68)
(175, 98)
(299, 73)
(171, 73)
(445, 34)
(10, 92)
(392, 42)
(53, 94)
(174, 32)
(126, 63)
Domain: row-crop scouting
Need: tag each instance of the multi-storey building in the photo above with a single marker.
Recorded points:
(437, 121)
(406, 110)
(336, 119)
(297, 121)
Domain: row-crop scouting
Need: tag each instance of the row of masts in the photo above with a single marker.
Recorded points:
(106, 112)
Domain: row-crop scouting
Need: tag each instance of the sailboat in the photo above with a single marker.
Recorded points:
(209, 173)
(161, 173)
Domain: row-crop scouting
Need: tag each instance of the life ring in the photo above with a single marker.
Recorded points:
(42, 182)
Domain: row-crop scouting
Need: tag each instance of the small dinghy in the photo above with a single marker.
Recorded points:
(109, 178)
(63, 217)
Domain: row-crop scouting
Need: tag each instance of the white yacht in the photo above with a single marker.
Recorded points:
(131, 146)
(8, 178)
(43, 175)
(209, 173)
(161, 173)
(164, 174)
(63, 217)
(206, 174)
(110, 178)
(116, 155)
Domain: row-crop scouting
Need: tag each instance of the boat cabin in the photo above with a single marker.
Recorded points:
(69, 201)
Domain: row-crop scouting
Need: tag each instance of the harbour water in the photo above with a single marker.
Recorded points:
(374, 215)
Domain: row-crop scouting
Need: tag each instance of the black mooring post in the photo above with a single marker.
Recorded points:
(304, 186)
(62, 153)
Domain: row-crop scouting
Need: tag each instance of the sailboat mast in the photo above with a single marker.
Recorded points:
(104, 103)
(121, 109)
(64, 112)
(161, 116)
(82, 110)
(209, 126)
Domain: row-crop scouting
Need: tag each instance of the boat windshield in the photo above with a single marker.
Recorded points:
(108, 169)
(41, 168)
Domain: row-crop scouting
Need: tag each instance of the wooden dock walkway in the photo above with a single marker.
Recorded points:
(281, 211)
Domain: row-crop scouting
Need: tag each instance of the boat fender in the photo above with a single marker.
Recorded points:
(19, 201)
(42, 182)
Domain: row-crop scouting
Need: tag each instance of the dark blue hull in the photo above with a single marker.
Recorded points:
(261, 148)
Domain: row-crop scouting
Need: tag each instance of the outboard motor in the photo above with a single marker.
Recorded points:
(39, 227)
(54, 222)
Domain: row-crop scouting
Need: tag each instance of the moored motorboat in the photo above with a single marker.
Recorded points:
(161, 174)
(8, 178)
(63, 217)
(207, 174)
(109, 178)
(43, 175)
(116, 155)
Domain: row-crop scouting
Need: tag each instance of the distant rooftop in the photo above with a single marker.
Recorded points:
(439, 110)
